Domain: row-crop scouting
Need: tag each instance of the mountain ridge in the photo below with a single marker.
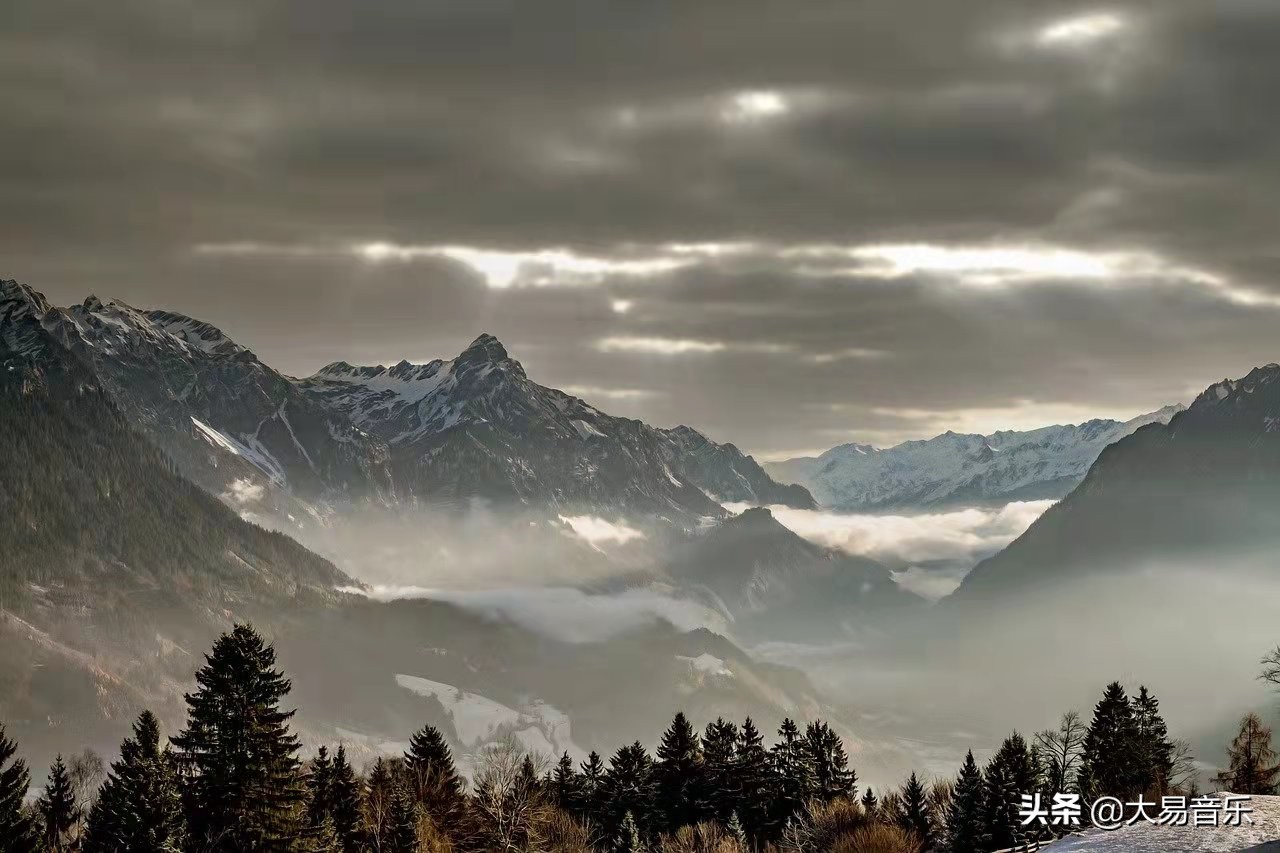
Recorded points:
(953, 469)
(443, 433)
(1206, 481)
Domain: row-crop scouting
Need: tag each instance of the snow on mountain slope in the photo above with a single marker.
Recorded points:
(477, 425)
(440, 433)
(479, 720)
(954, 468)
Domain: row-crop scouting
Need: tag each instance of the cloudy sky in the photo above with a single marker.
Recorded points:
(792, 224)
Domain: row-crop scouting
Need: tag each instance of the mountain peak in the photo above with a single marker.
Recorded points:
(14, 292)
(485, 348)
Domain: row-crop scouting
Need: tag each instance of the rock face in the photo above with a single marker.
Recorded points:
(955, 469)
(1206, 483)
(441, 433)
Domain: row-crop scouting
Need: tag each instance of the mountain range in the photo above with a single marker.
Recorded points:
(959, 469)
(1204, 485)
(440, 434)
(118, 570)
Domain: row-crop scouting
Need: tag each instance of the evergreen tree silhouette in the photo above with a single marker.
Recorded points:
(1153, 751)
(679, 776)
(914, 815)
(139, 807)
(829, 763)
(1112, 763)
(722, 788)
(347, 795)
(17, 830)
(436, 785)
(565, 785)
(756, 781)
(58, 809)
(242, 788)
(965, 831)
(629, 788)
(870, 805)
(591, 805)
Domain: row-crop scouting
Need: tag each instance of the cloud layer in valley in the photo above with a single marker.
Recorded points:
(569, 614)
(930, 552)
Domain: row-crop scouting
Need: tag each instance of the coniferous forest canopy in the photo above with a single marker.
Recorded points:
(233, 780)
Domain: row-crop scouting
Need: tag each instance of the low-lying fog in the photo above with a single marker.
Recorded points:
(947, 679)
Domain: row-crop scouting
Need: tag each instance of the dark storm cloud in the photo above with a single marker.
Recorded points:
(1138, 133)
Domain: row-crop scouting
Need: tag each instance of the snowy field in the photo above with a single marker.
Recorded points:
(1264, 834)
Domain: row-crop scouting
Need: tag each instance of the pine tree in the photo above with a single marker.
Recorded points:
(402, 835)
(755, 781)
(319, 788)
(243, 790)
(964, 818)
(591, 805)
(629, 788)
(58, 809)
(628, 839)
(792, 776)
(436, 783)
(1251, 760)
(1153, 751)
(720, 761)
(346, 796)
(1110, 747)
(678, 774)
(829, 764)
(870, 806)
(565, 785)
(385, 784)
(139, 808)
(1002, 827)
(735, 830)
(914, 813)
(17, 830)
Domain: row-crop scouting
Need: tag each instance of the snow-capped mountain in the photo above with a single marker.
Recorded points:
(440, 433)
(955, 468)
(478, 426)
(1204, 485)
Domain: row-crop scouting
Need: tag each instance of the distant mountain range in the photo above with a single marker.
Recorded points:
(438, 434)
(955, 469)
(1204, 485)
(117, 571)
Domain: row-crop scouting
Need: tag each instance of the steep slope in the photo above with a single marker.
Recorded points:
(955, 469)
(775, 585)
(298, 453)
(477, 427)
(726, 473)
(1206, 483)
(112, 565)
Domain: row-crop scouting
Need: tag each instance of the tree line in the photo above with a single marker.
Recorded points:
(232, 781)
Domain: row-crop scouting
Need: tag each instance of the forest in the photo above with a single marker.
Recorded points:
(233, 780)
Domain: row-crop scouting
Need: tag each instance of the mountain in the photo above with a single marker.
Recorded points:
(955, 469)
(297, 453)
(775, 585)
(1204, 485)
(112, 563)
(117, 572)
(477, 426)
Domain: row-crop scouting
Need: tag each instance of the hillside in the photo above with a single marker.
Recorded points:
(1207, 484)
